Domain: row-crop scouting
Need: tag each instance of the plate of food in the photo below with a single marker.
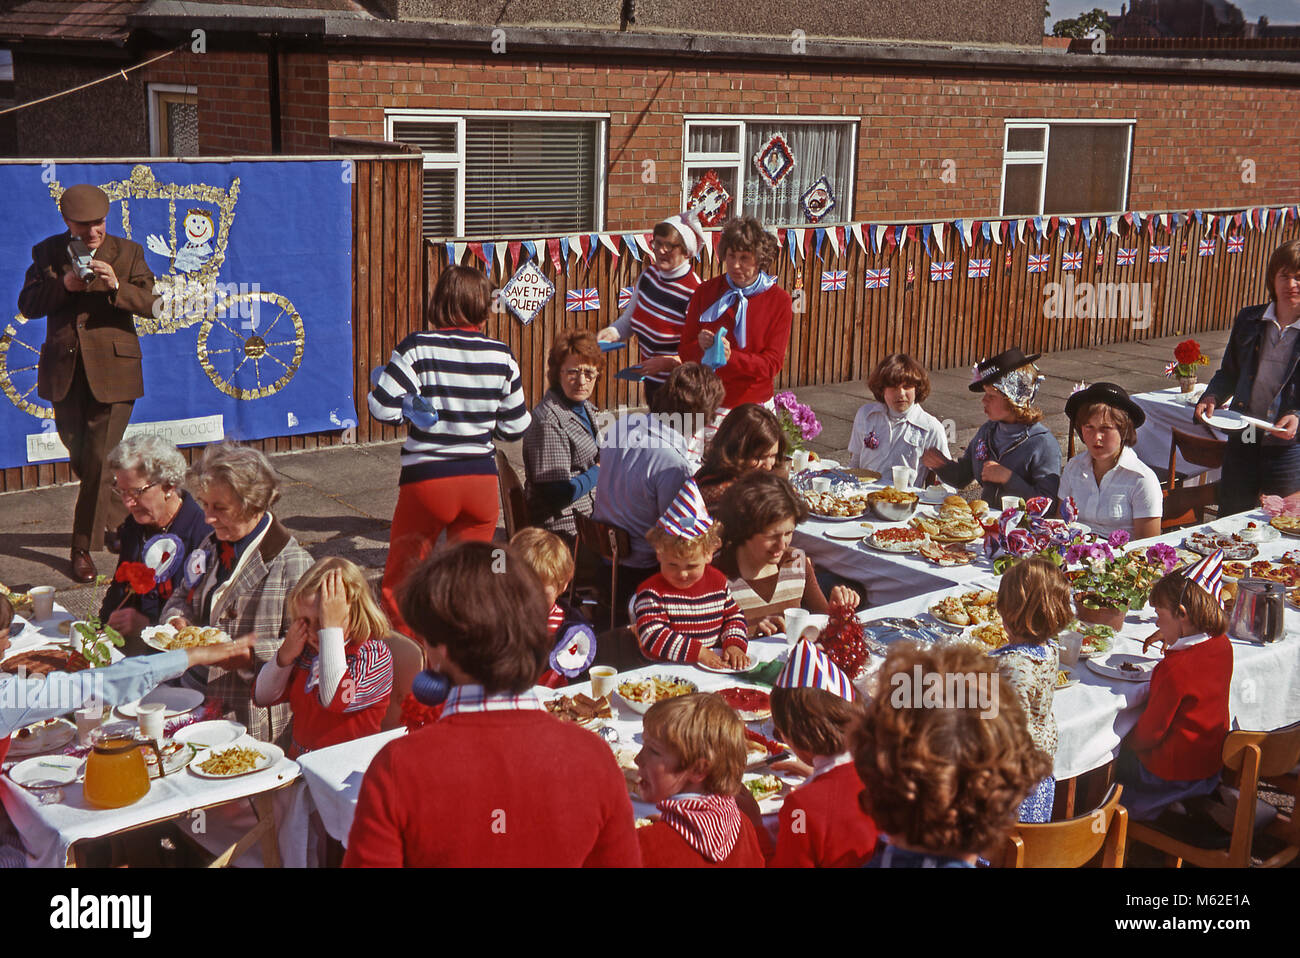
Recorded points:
(850, 532)
(640, 694)
(1234, 547)
(946, 555)
(1097, 639)
(759, 748)
(1249, 532)
(177, 701)
(768, 790)
(176, 755)
(976, 607)
(898, 539)
(835, 506)
(991, 634)
(49, 771)
(960, 529)
(43, 661)
(893, 505)
(1128, 668)
(728, 669)
(47, 736)
(1064, 679)
(1287, 525)
(21, 601)
(752, 705)
(166, 638)
(240, 758)
(580, 709)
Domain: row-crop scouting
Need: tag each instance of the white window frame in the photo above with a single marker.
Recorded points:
(742, 164)
(155, 115)
(1039, 157)
(456, 161)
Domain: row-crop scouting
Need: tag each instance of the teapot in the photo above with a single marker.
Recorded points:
(1257, 615)
(116, 774)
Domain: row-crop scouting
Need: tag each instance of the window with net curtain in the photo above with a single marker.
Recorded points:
(820, 149)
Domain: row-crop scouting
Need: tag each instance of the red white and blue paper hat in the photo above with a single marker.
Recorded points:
(1208, 574)
(688, 516)
(811, 668)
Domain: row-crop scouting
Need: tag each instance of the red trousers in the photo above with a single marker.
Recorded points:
(467, 507)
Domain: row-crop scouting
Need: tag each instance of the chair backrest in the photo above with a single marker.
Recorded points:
(608, 542)
(1204, 451)
(408, 662)
(1074, 842)
(514, 504)
(1279, 750)
(1185, 506)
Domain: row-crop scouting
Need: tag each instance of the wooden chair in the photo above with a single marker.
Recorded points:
(1206, 451)
(1185, 506)
(408, 662)
(1072, 843)
(1247, 757)
(514, 505)
(620, 649)
(611, 544)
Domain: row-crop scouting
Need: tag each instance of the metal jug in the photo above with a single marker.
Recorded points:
(1257, 615)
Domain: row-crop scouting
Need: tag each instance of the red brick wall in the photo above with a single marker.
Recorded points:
(304, 103)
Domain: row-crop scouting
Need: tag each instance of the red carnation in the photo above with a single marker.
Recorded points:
(138, 575)
(1188, 352)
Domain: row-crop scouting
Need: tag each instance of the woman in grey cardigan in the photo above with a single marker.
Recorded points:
(1013, 454)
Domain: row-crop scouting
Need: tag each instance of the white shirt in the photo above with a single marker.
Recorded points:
(898, 440)
(1130, 490)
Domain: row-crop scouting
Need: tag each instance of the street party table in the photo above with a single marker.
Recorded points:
(1167, 410)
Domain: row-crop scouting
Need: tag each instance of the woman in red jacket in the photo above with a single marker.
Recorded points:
(753, 312)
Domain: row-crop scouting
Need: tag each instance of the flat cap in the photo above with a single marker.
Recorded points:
(84, 203)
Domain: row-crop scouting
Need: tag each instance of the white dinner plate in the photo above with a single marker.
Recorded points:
(1263, 531)
(47, 736)
(270, 755)
(1229, 420)
(1110, 667)
(727, 669)
(772, 804)
(212, 734)
(151, 635)
(49, 771)
(178, 701)
(173, 762)
(850, 533)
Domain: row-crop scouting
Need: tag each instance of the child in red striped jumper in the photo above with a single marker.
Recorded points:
(550, 558)
(1175, 751)
(691, 760)
(333, 668)
(686, 612)
(822, 824)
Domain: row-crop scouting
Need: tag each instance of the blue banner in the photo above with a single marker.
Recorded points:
(253, 263)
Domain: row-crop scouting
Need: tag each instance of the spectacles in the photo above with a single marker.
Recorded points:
(664, 246)
(585, 373)
(132, 494)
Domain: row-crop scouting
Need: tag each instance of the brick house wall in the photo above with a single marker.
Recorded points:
(108, 115)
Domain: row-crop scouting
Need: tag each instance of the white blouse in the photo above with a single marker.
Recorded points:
(1130, 490)
(880, 441)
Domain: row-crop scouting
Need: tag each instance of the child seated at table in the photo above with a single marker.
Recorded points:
(1034, 602)
(496, 781)
(333, 667)
(691, 760)
(686, 611)
(1175, 752)
(943, 783)
(894, 430)
(550, 558)
(822, 824)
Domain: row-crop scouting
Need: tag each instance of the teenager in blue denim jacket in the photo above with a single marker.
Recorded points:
(1258, 373)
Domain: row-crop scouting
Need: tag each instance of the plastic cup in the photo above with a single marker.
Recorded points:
(1070, 645)
(903, 478)
(88, 719)
(796, 620)
(151, 720)
(603, 680)
(1010, 502)
(821, 484)
(42, 602)
(799, 460)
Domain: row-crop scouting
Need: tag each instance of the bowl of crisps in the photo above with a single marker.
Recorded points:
(640, 694)
(893, 505)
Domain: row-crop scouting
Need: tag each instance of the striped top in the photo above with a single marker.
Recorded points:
(788, 587)
(678, 625)
(473, 383)
(657, 311)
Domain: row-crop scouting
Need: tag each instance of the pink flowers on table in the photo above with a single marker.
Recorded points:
(798, 422)
(1165, 555)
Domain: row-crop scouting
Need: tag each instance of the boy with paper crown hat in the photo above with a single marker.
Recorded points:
(686, 613)
(1175, 750)
(822, 824)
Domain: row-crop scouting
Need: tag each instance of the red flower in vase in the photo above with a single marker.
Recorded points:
(137, 575)
(1188, 352)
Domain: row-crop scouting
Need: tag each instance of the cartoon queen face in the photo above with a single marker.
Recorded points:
(198, 228)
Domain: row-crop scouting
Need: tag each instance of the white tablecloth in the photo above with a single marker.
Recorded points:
(1166, 411)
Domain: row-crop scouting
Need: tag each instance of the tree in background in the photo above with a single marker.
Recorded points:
(1084, 25)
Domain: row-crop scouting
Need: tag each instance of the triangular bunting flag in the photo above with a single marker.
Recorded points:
(821, 238)
(530, 246)
(926, 232)
(564, 253)
(879, 234)
(460, 251)
(834, 236)
(856, 230)
(501, 258)
(607, 241)
(938, 237)
(514, 247)
(790, 246)
(553, 247)
(451, 253)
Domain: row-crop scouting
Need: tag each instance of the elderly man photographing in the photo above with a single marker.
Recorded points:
(90, 285)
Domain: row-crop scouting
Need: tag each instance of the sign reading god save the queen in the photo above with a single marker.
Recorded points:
(527, 292)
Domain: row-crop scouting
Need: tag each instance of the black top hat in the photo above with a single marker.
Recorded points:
(1107, 393)
(84, 203)
(989, 370)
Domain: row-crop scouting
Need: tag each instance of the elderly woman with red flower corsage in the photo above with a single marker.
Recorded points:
(164, 524)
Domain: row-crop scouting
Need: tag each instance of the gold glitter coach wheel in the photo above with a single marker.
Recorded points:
(246, 362)
(20, 352)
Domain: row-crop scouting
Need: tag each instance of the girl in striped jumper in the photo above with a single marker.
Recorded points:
(657, 308)
(457, 391)
(685, 612)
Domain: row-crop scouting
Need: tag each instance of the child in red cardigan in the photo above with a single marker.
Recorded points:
(691, 760)
(496, 780)
(822, 824)
(1175, 751)
(686, 612)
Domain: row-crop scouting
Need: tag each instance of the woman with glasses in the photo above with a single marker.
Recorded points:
(561, 445)
(163, 525)
(658, 305)
(749, 438)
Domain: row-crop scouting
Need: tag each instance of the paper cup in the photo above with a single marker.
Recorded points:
(603, 680)
(1010, 502)
(88, 719)
(796, 620)
(903, 478)
(42, 602)
(799, 460)
(151, 719)
(821, 484)
(1070, 645)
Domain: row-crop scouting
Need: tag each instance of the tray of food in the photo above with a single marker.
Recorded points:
(41, 662)
(640, 694)
(953, 529)
(1249, 531)
(991, 634)
(1234, 546)
(976, 607)
(833, 505)
(898, 539)
(1287, 525)
(231, 761)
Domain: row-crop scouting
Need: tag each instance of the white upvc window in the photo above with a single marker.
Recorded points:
(727, 145)
(1053, 167)
(490, 173)
(173, 120)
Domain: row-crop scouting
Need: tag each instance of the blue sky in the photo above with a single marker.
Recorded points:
(1277, 11)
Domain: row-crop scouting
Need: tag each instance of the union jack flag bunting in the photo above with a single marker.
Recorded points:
(978, 268)
(624, 297)
(1158, 254)
(1038, 263)
(877, 278)
(1236, 244)
(1072, 260)
(1205, 247)
(1126, 257)
(940, 271)
(580, 300)
(833, 279)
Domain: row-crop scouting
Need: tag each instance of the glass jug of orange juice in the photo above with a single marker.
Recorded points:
(116, 774)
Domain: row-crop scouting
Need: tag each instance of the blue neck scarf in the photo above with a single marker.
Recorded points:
(735, 295)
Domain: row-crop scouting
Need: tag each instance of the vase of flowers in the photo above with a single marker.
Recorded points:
(1187, 357)
(798, 421)
(1109, 582)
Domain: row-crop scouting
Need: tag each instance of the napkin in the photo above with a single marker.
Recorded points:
(765, 673)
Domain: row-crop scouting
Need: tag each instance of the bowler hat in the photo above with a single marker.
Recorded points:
(84, 203)
(1107, 393)
(990, 370)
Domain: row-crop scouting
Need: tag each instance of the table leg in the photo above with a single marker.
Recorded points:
(264, 832)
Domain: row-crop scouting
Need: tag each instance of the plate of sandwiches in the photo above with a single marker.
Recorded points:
(976, 607)
(946, 555)
(580, 709)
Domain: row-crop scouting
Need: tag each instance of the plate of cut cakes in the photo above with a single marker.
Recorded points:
(976, 607)
(1234, 546)
(946, 555)
(580, 709)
